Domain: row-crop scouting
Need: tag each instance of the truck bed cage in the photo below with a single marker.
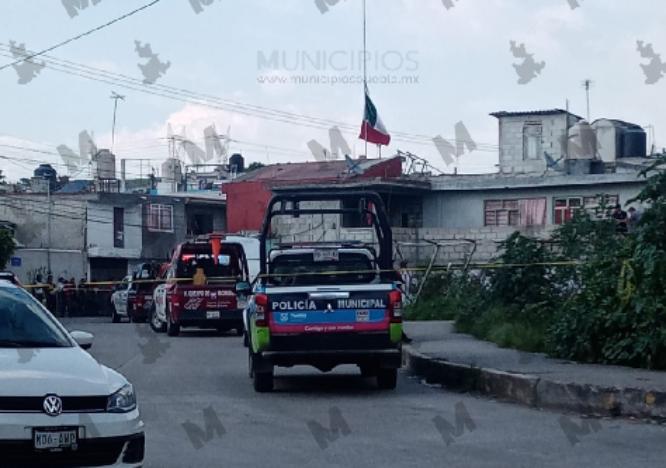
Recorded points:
(379, 219)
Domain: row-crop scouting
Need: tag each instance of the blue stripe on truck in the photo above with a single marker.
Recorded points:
(334, 316)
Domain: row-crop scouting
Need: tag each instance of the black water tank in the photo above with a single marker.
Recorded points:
(238, 161)
(634, 143)
(46, 171)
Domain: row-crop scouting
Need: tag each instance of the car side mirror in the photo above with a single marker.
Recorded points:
(83, 339)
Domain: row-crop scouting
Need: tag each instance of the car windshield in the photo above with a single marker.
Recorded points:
(228, 265)
(302, 270)
(25, 323)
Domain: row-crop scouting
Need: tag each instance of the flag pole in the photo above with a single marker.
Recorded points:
(365, 73)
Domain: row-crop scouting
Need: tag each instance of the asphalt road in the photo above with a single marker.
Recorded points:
(200, 410)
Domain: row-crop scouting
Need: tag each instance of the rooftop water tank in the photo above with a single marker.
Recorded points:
(106, 164)
(172, 170)
(237, 161)
(635, 143)
(582, 141)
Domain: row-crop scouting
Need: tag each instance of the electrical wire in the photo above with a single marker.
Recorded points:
(80, 36)
(188, 96)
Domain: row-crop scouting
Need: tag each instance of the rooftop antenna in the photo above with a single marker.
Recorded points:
(587, 84)
(115, 96)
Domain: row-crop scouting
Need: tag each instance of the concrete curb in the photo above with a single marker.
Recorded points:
(536, 392)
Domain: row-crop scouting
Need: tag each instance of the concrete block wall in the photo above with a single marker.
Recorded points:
(454, 249)
(511, 142)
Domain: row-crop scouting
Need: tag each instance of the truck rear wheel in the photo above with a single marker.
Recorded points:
(387, 378)
(173, 329)
(263, 381)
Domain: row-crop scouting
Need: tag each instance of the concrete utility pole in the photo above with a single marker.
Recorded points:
(115, 96)
(48, 227)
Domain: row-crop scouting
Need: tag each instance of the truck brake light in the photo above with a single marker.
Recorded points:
(395, 306)
(262, 310)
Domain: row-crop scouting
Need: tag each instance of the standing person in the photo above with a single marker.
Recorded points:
(70, 297)
(634, 218)
(50, 294)
(60, 297)
(38, 290)
(404, 283)
(621, 219)
(81, 294)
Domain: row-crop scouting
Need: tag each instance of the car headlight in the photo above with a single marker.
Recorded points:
(123, 401)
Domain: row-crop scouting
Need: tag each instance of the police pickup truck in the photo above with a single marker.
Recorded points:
(326, 304)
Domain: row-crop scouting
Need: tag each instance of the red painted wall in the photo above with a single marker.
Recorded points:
(246, 203)
(389, 169)
(247, 200)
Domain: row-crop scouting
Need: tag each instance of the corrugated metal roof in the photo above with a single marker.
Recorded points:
(76, 186)
(534, 112)
(309, 171)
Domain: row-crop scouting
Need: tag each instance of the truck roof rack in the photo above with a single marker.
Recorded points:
(366, 198)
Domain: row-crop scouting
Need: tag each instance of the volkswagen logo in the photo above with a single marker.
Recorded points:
(52, 405)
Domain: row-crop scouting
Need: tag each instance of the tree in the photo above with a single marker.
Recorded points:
(255, 165)
(7, 247)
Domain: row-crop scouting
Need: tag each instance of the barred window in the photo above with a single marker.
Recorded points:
(159, 218)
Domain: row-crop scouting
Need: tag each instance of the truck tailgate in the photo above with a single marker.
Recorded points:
(357, 308)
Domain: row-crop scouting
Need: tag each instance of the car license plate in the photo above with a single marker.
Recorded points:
(326, 255)
(212, 314)
(55, 439)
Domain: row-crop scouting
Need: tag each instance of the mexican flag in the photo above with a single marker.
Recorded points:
(373, 129)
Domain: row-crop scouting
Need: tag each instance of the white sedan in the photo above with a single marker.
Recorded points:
(58, 405)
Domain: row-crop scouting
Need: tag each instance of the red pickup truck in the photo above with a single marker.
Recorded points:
(206, 285)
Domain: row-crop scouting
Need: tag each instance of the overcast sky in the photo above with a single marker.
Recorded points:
(452, 60)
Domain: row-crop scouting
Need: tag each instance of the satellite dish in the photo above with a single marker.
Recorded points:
(353, 167)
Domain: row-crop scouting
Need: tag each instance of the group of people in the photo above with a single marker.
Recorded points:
(626, 221)
(63, 297)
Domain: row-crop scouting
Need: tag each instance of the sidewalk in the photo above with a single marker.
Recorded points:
(461, 362)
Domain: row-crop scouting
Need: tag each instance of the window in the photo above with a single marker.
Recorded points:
(119, 228)
(521, 212)
(532, 141)
(356, 219)
(502, 213)
(565, 208)
(159, 218)
(303, 270)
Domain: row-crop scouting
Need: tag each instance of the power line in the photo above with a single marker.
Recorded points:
(80, 36)
(184, 95)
